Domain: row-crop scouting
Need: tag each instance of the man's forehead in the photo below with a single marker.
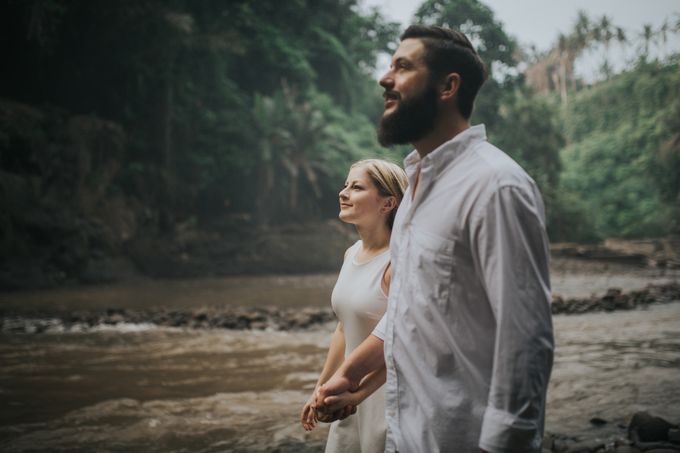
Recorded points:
(411, 49)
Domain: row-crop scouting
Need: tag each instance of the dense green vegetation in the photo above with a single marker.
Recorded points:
(158, 128)
(215, 97)
(623, 157)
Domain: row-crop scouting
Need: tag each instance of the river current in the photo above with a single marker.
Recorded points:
(145, 388)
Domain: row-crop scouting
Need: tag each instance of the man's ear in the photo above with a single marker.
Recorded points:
(450, 87)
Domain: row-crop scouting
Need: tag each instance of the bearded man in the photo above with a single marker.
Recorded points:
(467, 338)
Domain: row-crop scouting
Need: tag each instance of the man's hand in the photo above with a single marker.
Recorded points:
(336, 385)
(341, 414)
(336, 402)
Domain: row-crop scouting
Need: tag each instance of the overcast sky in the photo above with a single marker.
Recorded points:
(538, 22)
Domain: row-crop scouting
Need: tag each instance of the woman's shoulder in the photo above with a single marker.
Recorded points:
(352, 249)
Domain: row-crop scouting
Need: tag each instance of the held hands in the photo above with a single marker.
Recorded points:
(337, 407)
(332, 401)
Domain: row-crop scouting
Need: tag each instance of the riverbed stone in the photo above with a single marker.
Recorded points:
(585, 446)
(597, 421)
(674, 435)
(649, 428)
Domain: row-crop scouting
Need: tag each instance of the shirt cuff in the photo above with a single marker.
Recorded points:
(502, 431)
(380, 329)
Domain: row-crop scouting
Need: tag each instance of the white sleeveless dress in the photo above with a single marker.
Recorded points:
(359, 302)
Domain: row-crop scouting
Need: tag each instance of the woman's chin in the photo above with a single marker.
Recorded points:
(345, 218)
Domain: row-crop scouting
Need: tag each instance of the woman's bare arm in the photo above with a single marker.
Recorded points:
(372, 381)
(334, 358)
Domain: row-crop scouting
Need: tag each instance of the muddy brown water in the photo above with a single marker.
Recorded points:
(143, 388)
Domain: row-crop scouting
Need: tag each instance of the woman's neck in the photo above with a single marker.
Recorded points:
(374, 239)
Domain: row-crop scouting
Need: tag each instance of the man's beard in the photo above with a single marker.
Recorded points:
(411, 120)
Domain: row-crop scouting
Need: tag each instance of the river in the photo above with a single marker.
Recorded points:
(146, 388)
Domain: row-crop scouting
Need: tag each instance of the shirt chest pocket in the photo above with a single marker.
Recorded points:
(433, 258)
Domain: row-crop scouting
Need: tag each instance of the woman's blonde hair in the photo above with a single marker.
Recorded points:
(389, 178)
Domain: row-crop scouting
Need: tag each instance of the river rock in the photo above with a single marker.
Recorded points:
(597, 421)
(615, 299)
(674, 435)
(644, 427)
(585, 446)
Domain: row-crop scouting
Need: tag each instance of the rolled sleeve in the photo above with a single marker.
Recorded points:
(381, 328)
(503, 431)
(513, 258)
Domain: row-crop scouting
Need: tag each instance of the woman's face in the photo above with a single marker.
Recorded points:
(360, 202)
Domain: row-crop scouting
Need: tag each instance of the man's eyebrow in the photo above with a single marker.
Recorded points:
(402, 60)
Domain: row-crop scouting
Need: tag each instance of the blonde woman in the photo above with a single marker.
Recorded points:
(369, 200)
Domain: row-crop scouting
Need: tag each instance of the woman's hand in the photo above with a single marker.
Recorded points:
(308, 417)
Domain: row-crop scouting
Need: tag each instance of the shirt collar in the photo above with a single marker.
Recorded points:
(446, 152)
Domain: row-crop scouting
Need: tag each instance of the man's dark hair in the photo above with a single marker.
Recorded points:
(448, 51)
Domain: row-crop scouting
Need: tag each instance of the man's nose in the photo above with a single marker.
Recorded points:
(386, 81)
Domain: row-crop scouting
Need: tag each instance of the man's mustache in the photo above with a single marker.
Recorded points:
(391, 96)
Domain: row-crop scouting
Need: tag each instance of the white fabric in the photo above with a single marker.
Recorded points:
(468, 331)
(359, 302)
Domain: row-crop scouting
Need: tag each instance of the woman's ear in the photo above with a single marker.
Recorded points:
(389, 204)
(451, 86)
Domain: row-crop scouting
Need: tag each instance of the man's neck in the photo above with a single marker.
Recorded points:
(444, 130)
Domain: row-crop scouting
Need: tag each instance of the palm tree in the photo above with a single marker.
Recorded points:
(604, 33)
(621, 37)
(294, 143)
(582, 26)
(647, 36)
(564, 57)
(663, 35)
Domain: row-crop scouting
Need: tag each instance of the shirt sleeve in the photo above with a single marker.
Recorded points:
(381, 328)
(510, 246)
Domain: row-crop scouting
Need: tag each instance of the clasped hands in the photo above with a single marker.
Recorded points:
(334, 400)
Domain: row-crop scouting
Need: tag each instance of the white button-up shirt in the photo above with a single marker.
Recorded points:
(468, 330)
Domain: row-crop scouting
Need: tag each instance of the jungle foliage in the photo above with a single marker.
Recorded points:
(252, 107)
(623, 156)
(164, 116)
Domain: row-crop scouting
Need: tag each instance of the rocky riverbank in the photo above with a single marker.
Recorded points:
(661, 252)
(263, 318)
(644, 432)
(615, 299)
(272, 318)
